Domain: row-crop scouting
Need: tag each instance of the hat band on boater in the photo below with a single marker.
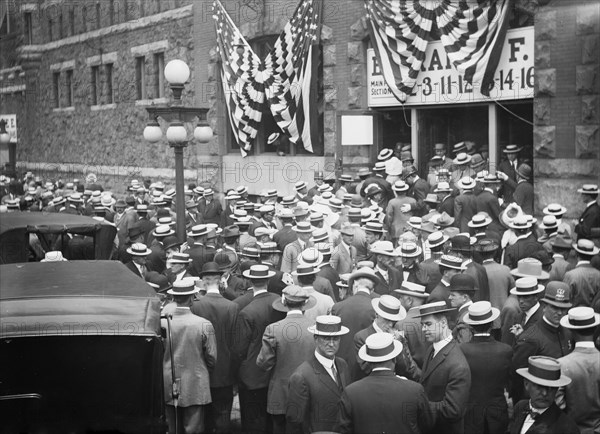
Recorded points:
(388, 310)
(380, 352)
(481, 317)
(544, 374)
(582, 322)
(529, 288)
(328, 328)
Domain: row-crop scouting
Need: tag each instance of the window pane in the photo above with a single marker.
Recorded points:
(56, 89)
(159, 78)
(95, 85)
(109, 84)
(140, 72)
(69, 88)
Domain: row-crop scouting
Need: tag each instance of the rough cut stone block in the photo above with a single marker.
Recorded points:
(590, 48)
(213, 71)
(586, 79)
(545, 25)
(541, 111)
(328, 80)
(590, 108)
(329, 55)
(543, 141)
(331, 99)
(359, 30)
(329, 145)
(356, 75)
(355, 52)
(326, 34)
(588, 17)
(213, 55)
(329, 121)
(354, 97)
(567, 167)
(545, 82)
(542, 54)
(587, 141)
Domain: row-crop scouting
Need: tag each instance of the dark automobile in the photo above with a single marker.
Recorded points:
(80, 349)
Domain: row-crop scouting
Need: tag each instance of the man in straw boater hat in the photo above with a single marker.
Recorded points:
(367, 405)
(584, 279)
(389, 276)
(252, 322)
(449, 266)
(489, 362)
(581, 399)
(525, 245)
(190, 342)
(446, 376)
(546, 337)
(588, 225)
(540, 414)
(222, 314)
(178, 267)
(291, 253)
(285, 345)
(465, 204)
(396, 219)
(388, 311)
(412, 296)
(316, 385)
(522, 193)
(139, 252)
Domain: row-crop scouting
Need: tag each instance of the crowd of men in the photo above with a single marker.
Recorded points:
(391, 302)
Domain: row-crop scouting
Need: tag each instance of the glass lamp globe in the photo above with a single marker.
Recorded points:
(4, 138)
(177, 72)
(176, 133)
(203, 133)
(152, 132)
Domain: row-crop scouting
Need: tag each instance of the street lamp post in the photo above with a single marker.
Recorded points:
(176, 115)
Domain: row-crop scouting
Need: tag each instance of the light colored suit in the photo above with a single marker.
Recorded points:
(289, 259)
(397, 220)
(500, 282)
(584, 281)
(323, 306)
(343, 258)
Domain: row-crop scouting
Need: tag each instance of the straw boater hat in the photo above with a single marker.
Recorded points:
(434, 308)
(257, 272)
(450, 261)
(180, 258)
(462, 159)
(185, 286)
(383, 248)
(548, 222)
(412, 289)
(328, 325)
(162, 231)
(272, 137)
(408, 250)
(512, 149)
(520, 222)
(53, 256)
(436, 239)
(294, 294)
(385, 154)
(581, 317)
(303, 227)
(466, 183)
(586, 247)
(481, 312)
(198, 231)
(527, 286)
(530, 267)
(310, 257)
(389, 307)
(554, 209)
(544, 371)
(415, 222)
(442, 187)
(479, 220)
(139, 249)
(380, 347)
(589, 189)
(400, 186)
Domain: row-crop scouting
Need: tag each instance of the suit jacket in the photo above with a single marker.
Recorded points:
(559, 268)
(356, 313)
(133, 269)
(523, 248)
(328, 272)
(286, 344)
(582, 396)
(488, 202)
(523, 196)
(359, 241)
(552, 421)
(260, 224)
(395, 278)
(447, 206)
(252, 322)
(222, 314)
(289, 259)
(500, 282)
(313, 398)
(584, 281)
(490, 363)
(447, 382)
(397, 221)
(465, 207)
(507, 189)
(432, 272)
(413, 332)
(590, 219)
(194, 353)
(343, 258)
(200, 254)
(419, 191)
(210, 212)
(366, 406)
(285, 236)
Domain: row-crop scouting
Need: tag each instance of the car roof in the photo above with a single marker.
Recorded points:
(48, 222)
(78, 297)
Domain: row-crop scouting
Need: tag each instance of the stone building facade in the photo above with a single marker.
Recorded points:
(74, 77)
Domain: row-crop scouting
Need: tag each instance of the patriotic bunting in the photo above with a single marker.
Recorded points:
(471, 31)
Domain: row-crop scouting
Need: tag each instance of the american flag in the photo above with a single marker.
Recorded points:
(472, 33)
(291, 65)
(243, 76)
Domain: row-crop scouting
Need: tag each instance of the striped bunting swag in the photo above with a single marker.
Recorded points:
(472, 33)
(290, 61)
(243, 78)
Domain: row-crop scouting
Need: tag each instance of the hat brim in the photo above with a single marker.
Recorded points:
(590, 192)
(386, 315)
(411, 255)
(511, 151)
(543, 276)
(362, 274)
(547, 211)
(540, 288)
(461, 163)
(310, 303)
(166, 234)
(412, 293)
(305, 231)
(564, 321)
(146, 253)
(594, 251)
(495, 314)
(437, 312)
(512, 226)
(444, 239)
(314, 271)
(562, 305)
(180, 261)
(313, 329)
(479, 225)
(362, 353)
(384, 252)
(206, 273)
(562, 381)
(400, 189)
(193, 291)
(247, 274)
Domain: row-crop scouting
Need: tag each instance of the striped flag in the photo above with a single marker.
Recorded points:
(291, 65)
(472, 33)
(243, 76)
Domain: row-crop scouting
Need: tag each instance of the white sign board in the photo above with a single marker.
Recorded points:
(357, 130)
(11, 129)
(440, 83)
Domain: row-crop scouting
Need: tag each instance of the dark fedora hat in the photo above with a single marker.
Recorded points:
(210, 268)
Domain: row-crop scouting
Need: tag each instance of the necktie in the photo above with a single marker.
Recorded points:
(335, 374)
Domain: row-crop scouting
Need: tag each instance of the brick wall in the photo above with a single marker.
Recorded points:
(567, 101)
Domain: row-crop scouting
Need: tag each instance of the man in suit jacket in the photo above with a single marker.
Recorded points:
(252, 322)
(200, 251)
(446, 198)
(526, 294)
(526, 243)
(356, 311)
(490, 364)
(285, 345)
(343, 259)
(500, 280)
(194, 351)
(465, 204)
(316, 386)
(366, 406)
(267, 213)
(397, 221)
(584, 279)
(286, 235)
(412, 296)
(588, 225)
(487, 201)
(291, 253)
(522, 189)
(581, 399)
(446, 376)
(509, 167)
(222, 314)
(209, 209)
(139, 252)
(540, 414)
(389, 277)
